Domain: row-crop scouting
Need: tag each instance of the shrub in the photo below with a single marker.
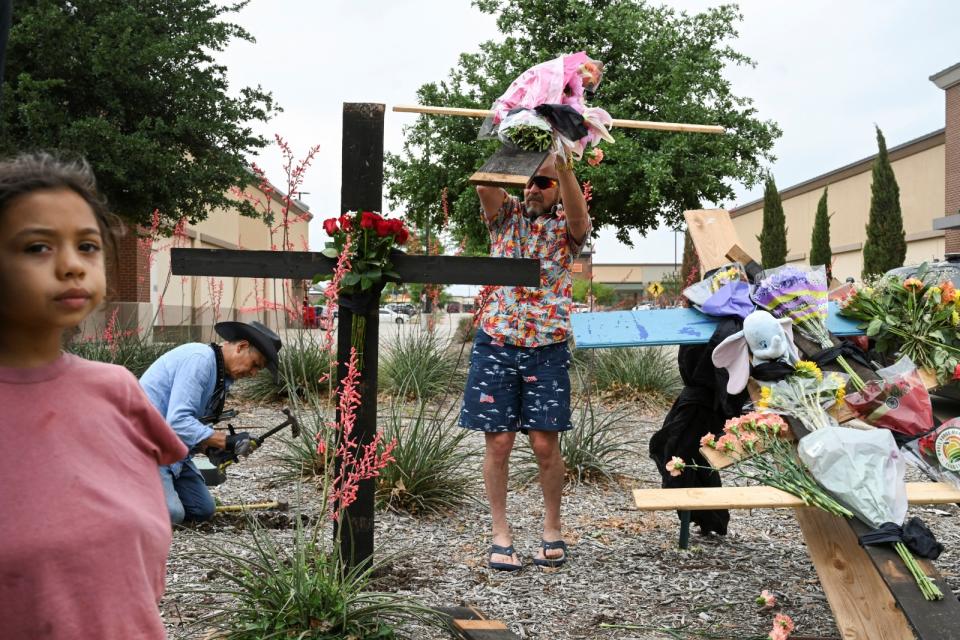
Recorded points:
(635, 373)
(296, 589)
(303, 363)
(299, 459)
(592, 450)
(417, 362)
(466, 330)
(431, 472)
(132, 350)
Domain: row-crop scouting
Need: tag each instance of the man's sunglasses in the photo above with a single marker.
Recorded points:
(543, 182)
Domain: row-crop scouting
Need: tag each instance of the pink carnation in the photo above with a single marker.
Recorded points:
(766, 599)
(727, 443)
(708, 440)
(675, 466)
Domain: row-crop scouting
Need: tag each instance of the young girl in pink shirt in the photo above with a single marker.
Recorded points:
(84, 531)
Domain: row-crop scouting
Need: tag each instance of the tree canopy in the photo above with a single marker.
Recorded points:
(134, 88)
(660, 64)
(773, 233)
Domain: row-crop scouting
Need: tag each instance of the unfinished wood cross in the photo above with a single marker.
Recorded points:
(361, 190)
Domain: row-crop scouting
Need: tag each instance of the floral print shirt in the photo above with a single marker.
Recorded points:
(522, 316)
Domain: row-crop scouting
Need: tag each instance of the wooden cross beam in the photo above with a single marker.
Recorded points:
(361, 190)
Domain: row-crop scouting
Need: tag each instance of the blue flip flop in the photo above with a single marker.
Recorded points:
(551, 562)
(503, 551)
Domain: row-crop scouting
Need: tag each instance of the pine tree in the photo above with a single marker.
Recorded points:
(820, 241)
(886, 244)
(773, 235)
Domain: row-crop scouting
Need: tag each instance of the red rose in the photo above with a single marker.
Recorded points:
(346, 222)
(384, 228)
(395, 225)
(330, 226)
(402, 235)
(956, 372)
(368, 219)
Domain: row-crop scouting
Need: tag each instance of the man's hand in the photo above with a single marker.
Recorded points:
(218, 441)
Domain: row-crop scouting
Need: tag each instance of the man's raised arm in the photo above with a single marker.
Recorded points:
(491, 199)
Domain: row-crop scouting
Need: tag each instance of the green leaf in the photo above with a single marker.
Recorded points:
(330, 252)
(393, 275)
(350, 279)
(365, 283)
(874, 327)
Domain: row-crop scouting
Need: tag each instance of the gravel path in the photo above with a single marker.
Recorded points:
(625, 567)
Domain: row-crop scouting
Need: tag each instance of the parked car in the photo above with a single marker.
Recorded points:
(453, 307)
(643, 307)
(405, 308)
(579, 307)
(939, 271)
(389, 315)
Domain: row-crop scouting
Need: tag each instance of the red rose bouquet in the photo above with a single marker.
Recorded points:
(361, 241)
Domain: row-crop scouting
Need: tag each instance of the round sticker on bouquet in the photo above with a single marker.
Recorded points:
(948, 448)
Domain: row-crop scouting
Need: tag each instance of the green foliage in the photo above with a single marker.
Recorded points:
(431, 472)
(129, 349)
(303, 365)
(593, 450)
(134, 87)
(635, 372)
(466, 330)
(660, 65)
(886, 244)
(603, 294)
(773, 235)
(820, 240)
(417, 362)
(296, 588)
(299, 459)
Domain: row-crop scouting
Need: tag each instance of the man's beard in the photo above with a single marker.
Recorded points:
(536, 207)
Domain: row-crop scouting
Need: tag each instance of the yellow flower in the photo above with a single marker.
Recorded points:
(766, 394)
(808, 369)
(955, 318)
(840, 394)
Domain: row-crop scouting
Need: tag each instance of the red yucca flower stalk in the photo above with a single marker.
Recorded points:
(357, 462)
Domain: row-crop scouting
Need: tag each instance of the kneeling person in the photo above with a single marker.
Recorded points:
(188, 385)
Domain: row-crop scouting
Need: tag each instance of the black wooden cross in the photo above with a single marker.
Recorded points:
(361, 190)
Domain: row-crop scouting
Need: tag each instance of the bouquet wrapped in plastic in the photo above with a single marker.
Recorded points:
(864, 471)
(800, 293)
(804, 395)
(938, 452)
(551, 97)
(899, 401)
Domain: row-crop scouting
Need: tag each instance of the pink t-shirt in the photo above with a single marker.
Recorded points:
(84, 529)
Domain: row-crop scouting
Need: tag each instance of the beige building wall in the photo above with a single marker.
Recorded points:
(187, 307)
(919, 169)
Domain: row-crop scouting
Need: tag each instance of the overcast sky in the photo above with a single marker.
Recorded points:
(826, 72)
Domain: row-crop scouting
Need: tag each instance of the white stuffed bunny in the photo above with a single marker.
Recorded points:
(764, 336)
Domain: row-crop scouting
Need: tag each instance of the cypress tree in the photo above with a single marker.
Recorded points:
(886, 244)
(691, 262)
(773, 235)
(820, 241)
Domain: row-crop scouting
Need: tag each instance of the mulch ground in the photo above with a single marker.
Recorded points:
(625, 568)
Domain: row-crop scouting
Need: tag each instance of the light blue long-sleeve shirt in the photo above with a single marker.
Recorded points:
(180, 384)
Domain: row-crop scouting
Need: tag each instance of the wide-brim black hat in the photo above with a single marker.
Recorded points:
(262, 337)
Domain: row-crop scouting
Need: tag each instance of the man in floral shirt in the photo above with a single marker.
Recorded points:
(519, 379)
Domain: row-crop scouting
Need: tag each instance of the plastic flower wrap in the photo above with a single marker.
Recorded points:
(551, 97)
(699, 292)
(899, 401)
(865, 471)
(912, 317)
(938, 453)
(755, 441)
(800, 293)
(804, 395)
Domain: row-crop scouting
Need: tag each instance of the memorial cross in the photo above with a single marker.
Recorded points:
(361, 190)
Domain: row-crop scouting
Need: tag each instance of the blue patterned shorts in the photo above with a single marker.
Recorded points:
(517, 388)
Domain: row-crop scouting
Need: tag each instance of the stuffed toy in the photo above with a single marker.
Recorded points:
(764, 337)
